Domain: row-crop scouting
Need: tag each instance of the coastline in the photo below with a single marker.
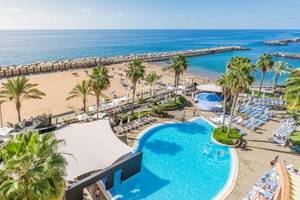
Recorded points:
(57, 86)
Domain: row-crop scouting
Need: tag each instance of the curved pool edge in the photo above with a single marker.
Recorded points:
(232, 179)
(234, 170)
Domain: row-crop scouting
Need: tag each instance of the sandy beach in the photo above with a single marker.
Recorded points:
(57, 86)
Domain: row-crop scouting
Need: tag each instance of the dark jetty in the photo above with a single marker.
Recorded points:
(63, 65)
(282, 42)
(287, 55)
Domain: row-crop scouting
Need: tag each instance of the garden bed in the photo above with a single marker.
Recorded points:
(174, 105)
(233, 139)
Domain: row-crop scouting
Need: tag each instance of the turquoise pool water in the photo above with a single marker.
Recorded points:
(209, 101)
(179, 162)
(211, 97)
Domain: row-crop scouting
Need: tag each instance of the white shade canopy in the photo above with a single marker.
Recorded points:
(209, 88)
(4, 131)
(93, 146)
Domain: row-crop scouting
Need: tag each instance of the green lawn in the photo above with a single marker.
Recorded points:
(172, 104)
(221, 136)
(295, 139)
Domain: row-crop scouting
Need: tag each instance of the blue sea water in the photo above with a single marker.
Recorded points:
(179, 162)
(20, 47)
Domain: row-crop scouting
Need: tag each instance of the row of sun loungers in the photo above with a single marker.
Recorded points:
(133, 125)
(274, 102)
(254, 116)
(265, 188)
(252, 123)
(281, 134)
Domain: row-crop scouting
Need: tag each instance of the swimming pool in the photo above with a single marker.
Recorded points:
(209, 101)
(179, 162)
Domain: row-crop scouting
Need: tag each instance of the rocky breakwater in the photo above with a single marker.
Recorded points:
(282, 42)
(287, 55)
(47, 67)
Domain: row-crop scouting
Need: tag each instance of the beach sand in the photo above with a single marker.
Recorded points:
(57, 86)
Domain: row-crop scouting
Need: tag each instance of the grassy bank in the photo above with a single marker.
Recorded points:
(221, 136)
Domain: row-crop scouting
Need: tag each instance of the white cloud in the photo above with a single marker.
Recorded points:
(39, 14)
(44, 15)
(119, 13)
(85, 10)
(15, 9)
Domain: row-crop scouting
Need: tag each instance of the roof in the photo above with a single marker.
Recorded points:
(209, 88)
(93, 146)
(4, 131)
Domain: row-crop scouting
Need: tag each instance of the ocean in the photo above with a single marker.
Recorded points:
(27, 46)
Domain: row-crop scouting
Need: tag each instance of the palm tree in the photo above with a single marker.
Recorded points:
(135, 73)
(224, 83)
(179, 64)
(280, 68)
(151, 79)
(81, 90)
(100, 80)
(265, 63)
(32, 168)
(239, 79)
(20, 89)
(292, 93)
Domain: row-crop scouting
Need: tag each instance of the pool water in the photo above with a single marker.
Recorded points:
(211, 97)
(209, 101)
(179, 162)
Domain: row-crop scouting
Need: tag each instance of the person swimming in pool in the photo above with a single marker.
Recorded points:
(205, 152)
(220, 153)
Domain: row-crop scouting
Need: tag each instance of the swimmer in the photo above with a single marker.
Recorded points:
(220, 153)
(205, 152)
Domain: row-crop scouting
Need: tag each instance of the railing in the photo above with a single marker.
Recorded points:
(283, 191)
(129, 166)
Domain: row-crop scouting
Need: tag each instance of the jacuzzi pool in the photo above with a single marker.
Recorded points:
(179, 162)
(209, 101)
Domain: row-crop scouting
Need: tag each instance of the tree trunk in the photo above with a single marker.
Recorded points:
(176, 86)
(224, 113)
(18, 107)
(231, 115)
(84, 104)
(240, 103)
(261, 82)
(133, 95)
(275, 83)
(97, 106)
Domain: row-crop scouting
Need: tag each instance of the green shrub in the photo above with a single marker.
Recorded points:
(124, 117)
(221, 136)
(171, 103)
(158, 109)
(295, 139)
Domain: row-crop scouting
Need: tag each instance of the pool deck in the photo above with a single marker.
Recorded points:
(252, 162)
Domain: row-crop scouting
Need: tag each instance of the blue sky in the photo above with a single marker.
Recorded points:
(150, 14)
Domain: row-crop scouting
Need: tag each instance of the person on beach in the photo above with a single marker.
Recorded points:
(194, 112)
(274, 161)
